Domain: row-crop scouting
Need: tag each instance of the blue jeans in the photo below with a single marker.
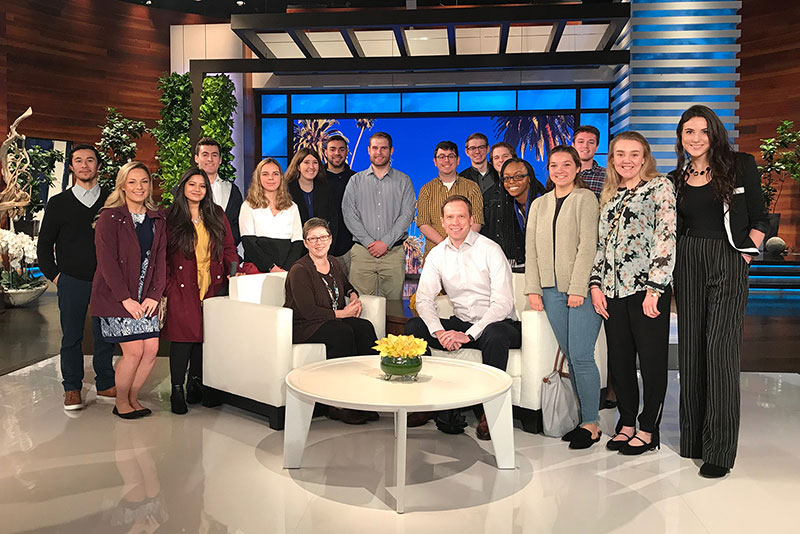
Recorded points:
(576, 331)
(73, 302)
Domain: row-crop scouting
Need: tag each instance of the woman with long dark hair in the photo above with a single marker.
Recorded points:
(721, 222)
(200, 252)
(631, 286)
(308, 185)
(561, 241)
(130, 239)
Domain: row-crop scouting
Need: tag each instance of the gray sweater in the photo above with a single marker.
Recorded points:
(576, 243)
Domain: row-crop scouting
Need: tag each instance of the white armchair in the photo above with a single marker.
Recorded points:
(247, 347)
(532, 362)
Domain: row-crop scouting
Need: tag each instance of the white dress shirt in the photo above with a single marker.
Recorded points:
(477, 279)
(221, 192)
(262, 223)
(87, 197)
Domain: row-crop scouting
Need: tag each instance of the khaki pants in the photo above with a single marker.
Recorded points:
(382, 276)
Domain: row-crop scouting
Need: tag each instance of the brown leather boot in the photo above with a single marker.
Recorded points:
(482, 432)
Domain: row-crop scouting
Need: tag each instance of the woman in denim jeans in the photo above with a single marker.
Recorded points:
(561, 240)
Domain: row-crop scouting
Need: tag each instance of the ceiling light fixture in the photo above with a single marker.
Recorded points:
(148, 2)
(240, 3)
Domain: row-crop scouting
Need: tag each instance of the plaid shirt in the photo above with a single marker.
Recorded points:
(595, 178)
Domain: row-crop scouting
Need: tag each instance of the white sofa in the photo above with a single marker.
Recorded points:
(532, 362)
(247, 347)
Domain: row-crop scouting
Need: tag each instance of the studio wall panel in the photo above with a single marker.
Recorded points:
(104, 53)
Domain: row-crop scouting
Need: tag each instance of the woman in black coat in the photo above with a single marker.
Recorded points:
(308, 185)
(721, 222)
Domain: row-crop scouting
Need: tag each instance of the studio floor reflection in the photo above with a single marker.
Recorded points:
(220, 471)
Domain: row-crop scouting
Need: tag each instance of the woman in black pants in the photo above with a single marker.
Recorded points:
(630, 285)
(316, 288)
(721, 223)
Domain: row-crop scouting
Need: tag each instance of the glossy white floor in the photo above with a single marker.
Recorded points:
(219, 470)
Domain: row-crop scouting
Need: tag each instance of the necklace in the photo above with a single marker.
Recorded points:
(198, 219)
(699, 173)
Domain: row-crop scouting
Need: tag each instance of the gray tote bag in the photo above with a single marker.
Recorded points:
(559, 404)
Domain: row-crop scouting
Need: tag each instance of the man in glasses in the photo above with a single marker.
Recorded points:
(480, 171)
(434, 193)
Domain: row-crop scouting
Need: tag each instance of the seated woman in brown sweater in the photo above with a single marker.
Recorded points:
(316, 288)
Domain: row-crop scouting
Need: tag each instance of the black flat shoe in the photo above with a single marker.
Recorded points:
(178, 401)
(582, 439)
(194, 390)
(571, 434)
(616, 445)
(708, 470)
(129, 415)
(635, 450)
(144, 412)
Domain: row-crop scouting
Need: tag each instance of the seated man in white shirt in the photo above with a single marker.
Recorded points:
(475, 274)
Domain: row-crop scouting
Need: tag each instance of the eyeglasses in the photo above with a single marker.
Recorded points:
(515, 178)
(443, 157)
(479, 147)
(318, 239)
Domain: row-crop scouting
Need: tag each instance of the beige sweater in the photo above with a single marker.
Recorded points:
(576, 243)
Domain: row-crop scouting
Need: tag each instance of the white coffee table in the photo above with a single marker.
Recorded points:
(357, 383)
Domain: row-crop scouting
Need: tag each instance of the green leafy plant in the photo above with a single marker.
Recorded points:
(43, 164)
(117, 145)
(781, 155)
(216, 118)
(172, 132)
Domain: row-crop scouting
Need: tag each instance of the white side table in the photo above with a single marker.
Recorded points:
(357, 383)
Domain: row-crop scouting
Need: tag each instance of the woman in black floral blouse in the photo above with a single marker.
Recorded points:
(630, 285)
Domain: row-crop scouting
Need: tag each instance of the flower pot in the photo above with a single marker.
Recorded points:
(13, 298)
(401, 367)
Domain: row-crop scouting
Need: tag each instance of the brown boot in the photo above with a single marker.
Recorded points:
(107, 395)
(482, 432)
(72, 400)
(415, 419)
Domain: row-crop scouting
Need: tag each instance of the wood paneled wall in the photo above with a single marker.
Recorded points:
(770, 88)
(70, 59)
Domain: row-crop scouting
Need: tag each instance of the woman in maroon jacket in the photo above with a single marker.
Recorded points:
(200, 251)
(130, 238)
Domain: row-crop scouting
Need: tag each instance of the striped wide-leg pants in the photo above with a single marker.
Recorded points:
(711, 283)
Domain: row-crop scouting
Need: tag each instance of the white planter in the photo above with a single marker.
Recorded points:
(12, 298)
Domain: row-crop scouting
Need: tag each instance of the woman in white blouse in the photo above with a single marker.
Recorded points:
(272, 234)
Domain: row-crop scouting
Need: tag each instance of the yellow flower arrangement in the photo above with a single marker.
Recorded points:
(401, 346)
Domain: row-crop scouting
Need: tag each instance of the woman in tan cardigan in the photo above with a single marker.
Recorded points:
(560, 244)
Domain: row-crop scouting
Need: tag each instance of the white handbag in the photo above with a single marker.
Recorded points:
(559, 403)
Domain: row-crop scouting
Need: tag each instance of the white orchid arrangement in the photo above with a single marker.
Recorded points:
(21, 250)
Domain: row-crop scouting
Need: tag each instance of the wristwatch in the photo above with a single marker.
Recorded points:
(470, 337)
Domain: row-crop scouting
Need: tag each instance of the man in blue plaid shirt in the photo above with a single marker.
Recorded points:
(585, 141)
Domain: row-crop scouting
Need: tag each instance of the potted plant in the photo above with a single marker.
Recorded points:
(40, 171)
(17, 286)
(781, 155)
(117, 145)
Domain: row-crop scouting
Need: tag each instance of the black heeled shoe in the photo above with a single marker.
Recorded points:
(635, 450)
(178, 401)
(708, 470)
(194, 390)
(616, 445)
(129, 415)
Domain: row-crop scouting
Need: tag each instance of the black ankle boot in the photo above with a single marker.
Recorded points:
(194, 390)
(178, 401)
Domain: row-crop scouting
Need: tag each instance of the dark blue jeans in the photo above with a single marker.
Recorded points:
(73, 303)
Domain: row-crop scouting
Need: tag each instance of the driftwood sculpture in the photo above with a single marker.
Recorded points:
(14, 162)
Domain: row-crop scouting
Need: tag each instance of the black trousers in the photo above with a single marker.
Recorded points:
(182, 356)
(711, 283)
(351, 336)
(630, 332)
(494, 343)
